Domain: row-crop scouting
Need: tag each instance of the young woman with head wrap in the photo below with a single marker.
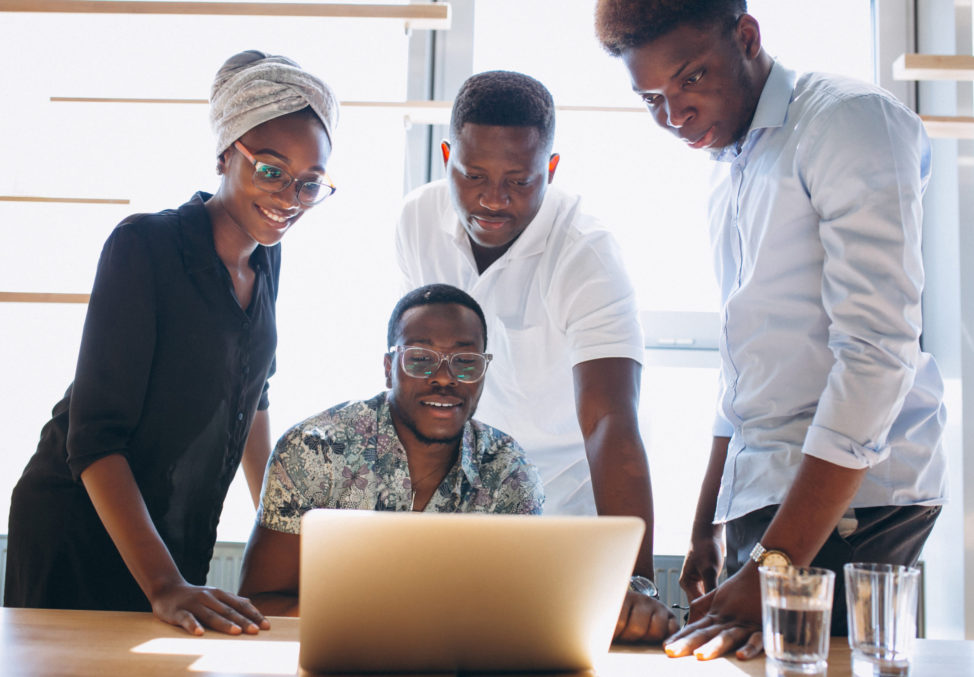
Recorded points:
(118, 507)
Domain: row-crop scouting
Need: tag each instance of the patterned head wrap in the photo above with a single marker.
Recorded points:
(253, 87)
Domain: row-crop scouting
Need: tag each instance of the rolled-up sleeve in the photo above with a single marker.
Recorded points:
(116, 354)
(868, 198)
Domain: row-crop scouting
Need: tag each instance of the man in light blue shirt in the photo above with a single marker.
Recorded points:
(827, 445)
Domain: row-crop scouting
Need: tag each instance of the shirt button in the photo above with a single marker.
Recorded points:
(239, 415)
(246, 370)
(246, 325)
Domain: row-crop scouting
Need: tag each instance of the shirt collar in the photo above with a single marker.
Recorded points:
(196, 230)
(532, 239)
(469, 461)
(771, 111)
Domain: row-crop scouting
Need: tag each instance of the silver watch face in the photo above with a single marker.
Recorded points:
(643, 586)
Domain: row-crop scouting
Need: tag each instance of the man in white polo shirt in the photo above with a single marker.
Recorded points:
(568, 347)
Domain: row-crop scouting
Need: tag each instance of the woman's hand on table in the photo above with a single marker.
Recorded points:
(193, 607)
(723, 620)
(644, 619)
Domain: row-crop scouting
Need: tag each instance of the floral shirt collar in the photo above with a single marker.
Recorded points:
(350, 457)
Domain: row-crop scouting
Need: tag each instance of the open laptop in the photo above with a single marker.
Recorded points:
(418, 592)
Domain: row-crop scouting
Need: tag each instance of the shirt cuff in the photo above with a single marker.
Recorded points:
(722, 427)
(276, 522)
(836, 448)
(608, 351)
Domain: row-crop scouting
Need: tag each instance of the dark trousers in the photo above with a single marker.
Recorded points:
(887, 535)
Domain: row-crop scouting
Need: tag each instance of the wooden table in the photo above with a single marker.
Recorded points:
(40, 642)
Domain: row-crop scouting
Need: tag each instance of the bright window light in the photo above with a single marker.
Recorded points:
(339, 279)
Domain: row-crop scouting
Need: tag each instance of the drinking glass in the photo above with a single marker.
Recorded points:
(796, 606)
(882, 612)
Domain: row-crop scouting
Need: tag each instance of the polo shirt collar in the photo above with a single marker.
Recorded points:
(530, 242)
(533, 239)
(771, 111)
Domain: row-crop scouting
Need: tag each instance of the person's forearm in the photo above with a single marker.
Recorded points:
(620, 479)
(607, 399)
(269, 574)
(815, 503)
(256, 452)
(121, 508)
(703, 519)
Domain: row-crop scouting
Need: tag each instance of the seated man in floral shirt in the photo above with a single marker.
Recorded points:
(413, 447)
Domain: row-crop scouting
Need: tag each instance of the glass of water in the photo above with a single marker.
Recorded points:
(796, 608)
(882, 604)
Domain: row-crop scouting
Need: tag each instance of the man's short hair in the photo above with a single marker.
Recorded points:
(428, 295)
(628, 24)
(504, 99)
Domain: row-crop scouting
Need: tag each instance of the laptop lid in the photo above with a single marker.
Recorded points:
(411, 592)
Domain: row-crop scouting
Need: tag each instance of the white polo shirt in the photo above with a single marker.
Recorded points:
(559, 296)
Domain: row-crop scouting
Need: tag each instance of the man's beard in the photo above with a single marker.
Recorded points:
(414, 429)
(409, 423)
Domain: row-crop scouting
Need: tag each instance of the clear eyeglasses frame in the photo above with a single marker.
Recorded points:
(420, 362)
(272, 179)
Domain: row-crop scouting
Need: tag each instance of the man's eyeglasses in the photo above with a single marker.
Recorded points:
(425, 362)
(273, 179)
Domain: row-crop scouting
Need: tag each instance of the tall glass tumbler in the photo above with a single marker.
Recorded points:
(882, 611)
(796, 605)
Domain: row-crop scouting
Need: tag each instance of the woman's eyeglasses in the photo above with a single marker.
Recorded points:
(273, 179)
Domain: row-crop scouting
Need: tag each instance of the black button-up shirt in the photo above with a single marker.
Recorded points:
(170, 373)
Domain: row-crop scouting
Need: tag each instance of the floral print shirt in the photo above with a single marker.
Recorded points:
(350, 457)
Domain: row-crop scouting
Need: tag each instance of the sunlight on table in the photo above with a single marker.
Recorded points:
(241, 656)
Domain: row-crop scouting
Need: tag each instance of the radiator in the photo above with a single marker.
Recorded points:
(224, 567)
(668, 580)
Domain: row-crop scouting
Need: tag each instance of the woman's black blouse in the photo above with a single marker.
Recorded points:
(170, 373)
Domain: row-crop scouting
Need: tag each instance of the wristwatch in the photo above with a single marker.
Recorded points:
(769, 558)
(643, 586)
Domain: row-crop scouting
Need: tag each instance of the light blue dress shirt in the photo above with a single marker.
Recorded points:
(816, 226)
